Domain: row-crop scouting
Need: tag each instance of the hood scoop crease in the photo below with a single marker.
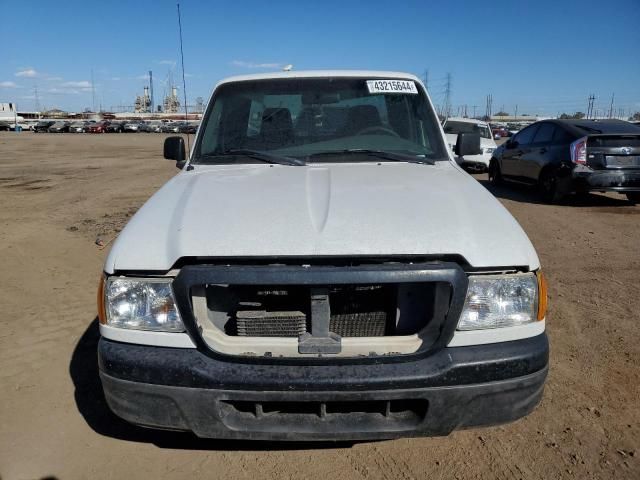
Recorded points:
(318, 196)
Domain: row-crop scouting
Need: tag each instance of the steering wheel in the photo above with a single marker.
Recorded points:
(380, 129)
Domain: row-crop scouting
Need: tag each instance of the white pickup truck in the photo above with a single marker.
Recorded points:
(318, 270)
(454, 126)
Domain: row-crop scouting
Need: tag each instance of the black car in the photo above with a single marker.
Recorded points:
(59, 127)
(115, 127)
(187, 128)
(42, 126)
(572, 156)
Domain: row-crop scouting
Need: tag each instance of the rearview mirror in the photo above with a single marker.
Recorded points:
(174, 149)
(467, 144)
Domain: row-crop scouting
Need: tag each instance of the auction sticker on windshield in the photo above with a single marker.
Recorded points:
(392, 86)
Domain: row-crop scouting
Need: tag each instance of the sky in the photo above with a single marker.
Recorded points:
(542, 57)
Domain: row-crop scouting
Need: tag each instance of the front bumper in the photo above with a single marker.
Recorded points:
(185, 389)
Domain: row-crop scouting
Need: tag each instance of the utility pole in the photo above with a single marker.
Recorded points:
(474, 111)
(426, 80)
(516, 115)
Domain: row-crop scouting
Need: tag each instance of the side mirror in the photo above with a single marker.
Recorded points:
(467, 144)
(174, 149)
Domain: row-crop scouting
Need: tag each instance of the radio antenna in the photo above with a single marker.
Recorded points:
(184, 83)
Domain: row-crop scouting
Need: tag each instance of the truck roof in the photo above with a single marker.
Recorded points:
(320, 73)
(466, 120)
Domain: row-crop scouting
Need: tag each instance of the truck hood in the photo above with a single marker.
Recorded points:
(347, 209)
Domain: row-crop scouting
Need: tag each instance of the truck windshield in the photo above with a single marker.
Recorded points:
(304, 117)
(456, 128)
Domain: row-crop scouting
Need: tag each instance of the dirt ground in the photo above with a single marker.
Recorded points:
(60, 192)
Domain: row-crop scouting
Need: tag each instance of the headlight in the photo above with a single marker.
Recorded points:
(141, 304)
(495, 301)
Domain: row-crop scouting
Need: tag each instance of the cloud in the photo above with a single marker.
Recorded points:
(243, 64)
(80, 84)
(62, 91)
(189, 75)
(115, 79)
(28, 72)
(54, 79)
(167, 62)
(8, 85)
(142, 77)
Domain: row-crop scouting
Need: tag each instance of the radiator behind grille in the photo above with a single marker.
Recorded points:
(260, 323)
(362, 324)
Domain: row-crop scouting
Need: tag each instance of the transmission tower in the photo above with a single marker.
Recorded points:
(37, 99)
(592, 99)
(447, 96)
(489, 106)
(93, 93)
(611, 107)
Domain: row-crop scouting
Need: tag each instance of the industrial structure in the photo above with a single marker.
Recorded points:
(171, 101)
(143, 102)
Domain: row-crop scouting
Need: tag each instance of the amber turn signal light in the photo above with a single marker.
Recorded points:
(102, 317)
(542, 295)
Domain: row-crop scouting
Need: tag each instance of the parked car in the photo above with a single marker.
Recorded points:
(42, 126)
(59, 127)
(115, 127)
(454, 126)
(146, 127)
(132, 126)
(78, 127)
(500, 132)
(186, 127)
(322, 281)
(4, 126)
(171, 127)
(98, 127)
(156, 127)
(572, 156)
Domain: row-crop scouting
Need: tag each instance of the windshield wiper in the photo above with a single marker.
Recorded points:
(393, 156)
(259, 155)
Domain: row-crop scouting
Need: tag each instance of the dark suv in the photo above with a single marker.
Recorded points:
(572, 156)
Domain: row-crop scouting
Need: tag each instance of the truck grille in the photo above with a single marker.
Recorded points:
(302, 310)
